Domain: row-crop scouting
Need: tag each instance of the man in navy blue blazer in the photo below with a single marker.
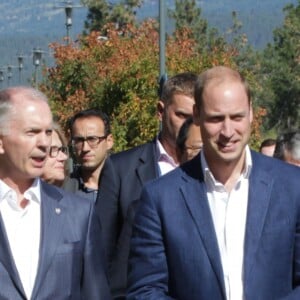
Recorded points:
(125, 173)
(50, 240)
(225, 225)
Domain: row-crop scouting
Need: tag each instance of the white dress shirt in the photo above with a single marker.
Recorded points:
(229, 214)
(23, 231)
(166, 163)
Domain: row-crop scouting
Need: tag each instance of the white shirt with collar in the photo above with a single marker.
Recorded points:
(23, 230)
(229, 214)
(165, 162)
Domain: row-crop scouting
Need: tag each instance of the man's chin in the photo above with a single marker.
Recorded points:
(88, 166)
(35, 173)
(230, 156)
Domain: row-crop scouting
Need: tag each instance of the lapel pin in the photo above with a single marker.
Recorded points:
(57, 210)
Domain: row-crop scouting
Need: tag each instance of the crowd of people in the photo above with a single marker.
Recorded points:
(286, 147)
(193, 214)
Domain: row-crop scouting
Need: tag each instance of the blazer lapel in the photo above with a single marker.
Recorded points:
(147, 169)
(194, 193)
(260, 186)
(7, 260)
(52, 221)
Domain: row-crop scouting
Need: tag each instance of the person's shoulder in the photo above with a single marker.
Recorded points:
(275, 167)
(132, 153)
(71, 184)
(166, 181)
(66, 197)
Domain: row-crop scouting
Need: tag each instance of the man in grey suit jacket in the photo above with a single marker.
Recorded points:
(125, 173)
(225, 225)
(50, 241)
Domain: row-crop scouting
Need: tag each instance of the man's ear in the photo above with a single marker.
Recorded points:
(1, 146)
(251, 113)
(160, 109)
(109, 141)
(196, 115)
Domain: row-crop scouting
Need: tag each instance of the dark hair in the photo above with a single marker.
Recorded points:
(183, 134)
(288, 142)
(182, 83)
(267, 143)
(219, 74)
(91, 112)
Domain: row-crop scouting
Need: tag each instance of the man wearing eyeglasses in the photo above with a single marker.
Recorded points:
(91, 142)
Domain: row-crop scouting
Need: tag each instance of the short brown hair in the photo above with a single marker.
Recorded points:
(182, 83)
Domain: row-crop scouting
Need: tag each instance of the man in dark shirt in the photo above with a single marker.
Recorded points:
(91, 142)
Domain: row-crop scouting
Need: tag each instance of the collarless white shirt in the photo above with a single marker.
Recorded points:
(23, 231)
(229, 214)
(165, 162)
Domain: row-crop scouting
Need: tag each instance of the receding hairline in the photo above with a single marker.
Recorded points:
(11, 99)
(218, 75)
(27, 92)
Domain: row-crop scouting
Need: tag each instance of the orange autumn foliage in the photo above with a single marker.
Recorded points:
(119, 74)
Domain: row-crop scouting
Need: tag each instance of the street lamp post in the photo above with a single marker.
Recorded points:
(1, 77)
(162, 39)
(69, 12)
(9, 74)
(37, 56)
(68, 6)
(20, 66)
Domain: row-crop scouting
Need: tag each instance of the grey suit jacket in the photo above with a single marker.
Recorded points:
(174, 249)
(71, 263)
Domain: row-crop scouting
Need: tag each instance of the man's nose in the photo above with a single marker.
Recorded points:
(227, 128)
(44, 140)
(85, 146)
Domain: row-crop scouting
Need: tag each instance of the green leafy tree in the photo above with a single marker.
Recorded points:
(246, 57)
(102, 12)
(281, 73)
(120, 76)
(98, 14)
(187, 14)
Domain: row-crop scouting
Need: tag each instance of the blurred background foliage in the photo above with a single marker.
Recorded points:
(114, 66)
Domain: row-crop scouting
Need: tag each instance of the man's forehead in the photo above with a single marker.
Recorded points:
(227, 88)
(217, 82)
(32, 111)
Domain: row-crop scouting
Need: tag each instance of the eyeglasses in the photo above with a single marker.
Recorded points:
(193, 149)
(54, 150)
(93, 141)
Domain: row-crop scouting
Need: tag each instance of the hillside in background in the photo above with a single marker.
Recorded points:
(27, 24)
(259, 17)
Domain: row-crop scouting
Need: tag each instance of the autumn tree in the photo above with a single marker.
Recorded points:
(102, 12)
(188, 14)
(120, 76)
(281, 73)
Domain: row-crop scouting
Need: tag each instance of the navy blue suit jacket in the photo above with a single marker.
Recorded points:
(174, 249)
(122, 178)
(71, 263)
